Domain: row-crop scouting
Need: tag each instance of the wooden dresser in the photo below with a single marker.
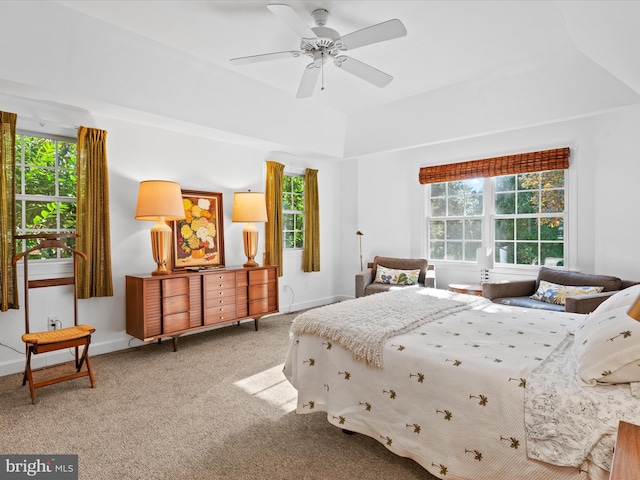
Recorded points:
(170, 305)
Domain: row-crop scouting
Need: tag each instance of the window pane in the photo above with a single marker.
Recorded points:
(527, 229)
(473, 229)
(470, 249)
(506, 183)
(436, 251)
(527, 253)
(474, 205)
(504, 229)
(289, 239)
(298, 202)
(287, 201)
(474, 186)
(287, 182)
(552, 254)
(454, 251)
(18, 180)
(456, 206)
(454, 230)
(436, 229)
(552, 201)
(455, 188)
(39, 151)
(67, 155)
(527, 202)
(438, 207)
(551, 229)
(288, 221)
(505, 203)
(529, 181)
(438, 189)
(40, 181)
(504, 252)
(299, 240)
(298, 184)
(67, 183)
(299, 219)
(41, 215)
(552, 179)
(67, 215)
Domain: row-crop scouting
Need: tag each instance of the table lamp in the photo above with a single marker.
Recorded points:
(159, 201)
(249, 207)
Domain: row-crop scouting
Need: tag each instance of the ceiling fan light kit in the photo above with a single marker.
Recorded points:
(321, 42)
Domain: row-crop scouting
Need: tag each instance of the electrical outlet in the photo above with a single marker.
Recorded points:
(52, 322)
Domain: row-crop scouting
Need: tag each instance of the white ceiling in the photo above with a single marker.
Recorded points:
(447, 42)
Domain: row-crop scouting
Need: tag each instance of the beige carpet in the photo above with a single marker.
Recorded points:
(218, 408)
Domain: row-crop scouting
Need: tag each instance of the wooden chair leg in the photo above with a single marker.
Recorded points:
(29, 376)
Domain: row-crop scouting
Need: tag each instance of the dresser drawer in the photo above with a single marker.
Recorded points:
(259, 291)
(175, 304)
(223, 313)
(175, 286)
(222, 297)
(219, 281)
(175, 322)
(258, 276)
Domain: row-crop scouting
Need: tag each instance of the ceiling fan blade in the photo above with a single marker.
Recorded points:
(376, 33)
(364, 71)
(264, 57)
(309, 80)
(291, 19)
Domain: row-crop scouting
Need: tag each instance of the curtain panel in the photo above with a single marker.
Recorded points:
(93, 223)
(311, 254)
(557, 159)
(273, 226)
(8, 271)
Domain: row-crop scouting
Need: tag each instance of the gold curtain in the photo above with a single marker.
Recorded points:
(92, 224)
(557, 159)
(311, 256)
(273, 227)
(8, 271)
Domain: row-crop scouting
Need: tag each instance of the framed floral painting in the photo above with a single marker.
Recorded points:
(198, 240)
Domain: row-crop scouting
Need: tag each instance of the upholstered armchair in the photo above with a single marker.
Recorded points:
(366, 284)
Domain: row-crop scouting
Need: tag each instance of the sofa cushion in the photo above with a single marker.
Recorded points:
(557, 294)
(393, 276)
(402, 264)
(562, 277)
(527, 302)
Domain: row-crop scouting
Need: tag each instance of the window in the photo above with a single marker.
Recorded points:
(293, 212)
(45, 189)
(523, 216)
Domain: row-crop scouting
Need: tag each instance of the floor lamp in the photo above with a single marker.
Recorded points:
(249, 207)
(359, 233)
(159, 201)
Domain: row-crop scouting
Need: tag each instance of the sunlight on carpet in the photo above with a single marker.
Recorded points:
(271, 386)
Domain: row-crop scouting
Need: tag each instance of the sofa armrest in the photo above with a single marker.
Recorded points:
(585, 303)
(363, 279)
(519, 288)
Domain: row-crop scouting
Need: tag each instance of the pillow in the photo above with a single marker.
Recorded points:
(623, 298)
(392, 276)
(607, 348)
(557, 294)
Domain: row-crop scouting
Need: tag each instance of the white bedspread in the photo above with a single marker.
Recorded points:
(450, 394)
(567, 422)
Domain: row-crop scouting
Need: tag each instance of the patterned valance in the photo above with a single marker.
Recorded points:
(557, 159)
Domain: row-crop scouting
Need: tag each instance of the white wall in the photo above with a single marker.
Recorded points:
(139, 152)
(602, 194)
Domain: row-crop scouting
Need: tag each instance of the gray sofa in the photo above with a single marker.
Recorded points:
(518, 293)
(365, 284)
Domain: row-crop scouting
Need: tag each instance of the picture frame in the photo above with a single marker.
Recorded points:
(198, 239)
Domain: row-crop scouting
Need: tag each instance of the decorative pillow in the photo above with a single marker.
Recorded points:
(392, 276)
(557, 294)
(607, 348)
(623, 298)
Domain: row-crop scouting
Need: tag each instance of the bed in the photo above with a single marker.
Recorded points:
(470, 389)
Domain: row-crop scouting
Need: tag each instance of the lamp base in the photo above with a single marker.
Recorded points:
(161, 246)
(250, 239)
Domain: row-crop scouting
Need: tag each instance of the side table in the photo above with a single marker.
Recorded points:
(467, 288)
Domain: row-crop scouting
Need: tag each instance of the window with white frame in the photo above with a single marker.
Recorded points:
(522, 216)
(293, 212)
(45, 189)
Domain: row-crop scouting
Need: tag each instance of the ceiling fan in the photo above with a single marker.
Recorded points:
(321, 42)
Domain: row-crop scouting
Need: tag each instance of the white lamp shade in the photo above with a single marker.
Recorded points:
(159, 199)
(249, 207)
(484, 257)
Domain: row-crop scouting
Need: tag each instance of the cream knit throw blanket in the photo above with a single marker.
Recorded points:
(365, 324)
